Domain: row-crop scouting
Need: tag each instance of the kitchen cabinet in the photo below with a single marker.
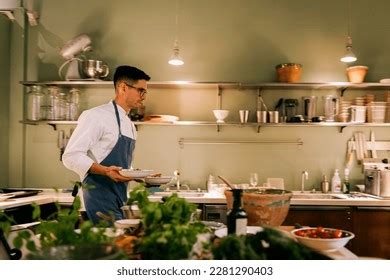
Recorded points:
(371, 225)
(219, 88)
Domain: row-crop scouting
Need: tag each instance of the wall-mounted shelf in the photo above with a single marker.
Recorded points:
(223, 85)
(342, 125)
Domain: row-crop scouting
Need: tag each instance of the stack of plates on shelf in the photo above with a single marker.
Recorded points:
(385, 81)
(344, 111)
(161, 118)
(359, 101)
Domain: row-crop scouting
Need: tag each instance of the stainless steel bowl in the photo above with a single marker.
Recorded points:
(95, 69)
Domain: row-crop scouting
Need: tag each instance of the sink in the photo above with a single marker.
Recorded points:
(180, 194)
(299, 195)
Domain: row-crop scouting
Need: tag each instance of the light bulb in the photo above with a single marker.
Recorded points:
(175, 58)
(349, 55)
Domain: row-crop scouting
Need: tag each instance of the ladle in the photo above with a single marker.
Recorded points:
(227, 182)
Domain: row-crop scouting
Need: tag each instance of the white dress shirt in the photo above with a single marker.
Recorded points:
(95, 136)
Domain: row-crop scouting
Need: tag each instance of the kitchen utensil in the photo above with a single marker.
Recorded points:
(261, 116)
(323, 244)
(289, 72)
(309, 107)
(135, 173)
(356, 74)
(244, 114)
(264, 207)
(105, 217)
(132, 212)
(158, 180)
(227, 182)
(95, 69)
(331, 107)
(220, 115)
(273, 116)
(290, 109)
(373, 149)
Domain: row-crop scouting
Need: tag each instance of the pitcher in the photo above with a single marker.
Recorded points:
(331, 107)
(309, 107)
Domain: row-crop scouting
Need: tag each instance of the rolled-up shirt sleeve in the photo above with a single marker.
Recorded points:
(77, 156)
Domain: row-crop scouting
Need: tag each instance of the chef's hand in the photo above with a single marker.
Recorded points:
(113, 173)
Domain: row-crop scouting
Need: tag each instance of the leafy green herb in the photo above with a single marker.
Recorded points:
(168, 233)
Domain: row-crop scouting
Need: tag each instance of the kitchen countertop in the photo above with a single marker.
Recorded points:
(65, 198)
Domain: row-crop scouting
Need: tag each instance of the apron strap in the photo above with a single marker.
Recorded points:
(117, 117)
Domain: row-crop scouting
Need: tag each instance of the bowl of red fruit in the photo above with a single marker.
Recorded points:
(322, 239)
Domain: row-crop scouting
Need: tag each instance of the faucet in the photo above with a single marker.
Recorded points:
(176, 173)
(305, 176)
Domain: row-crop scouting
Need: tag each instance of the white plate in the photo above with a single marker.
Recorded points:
(6, 196)
(127, 223)
(161, 118)
(249, 229)
(385, 81)
(135, 173)
(158, 180)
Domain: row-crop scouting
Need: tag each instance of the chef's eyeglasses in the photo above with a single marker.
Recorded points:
(141, 91)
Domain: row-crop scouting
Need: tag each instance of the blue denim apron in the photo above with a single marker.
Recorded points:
(108, 196)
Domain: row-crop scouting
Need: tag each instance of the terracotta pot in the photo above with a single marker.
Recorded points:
(264, 207)
(356, 74)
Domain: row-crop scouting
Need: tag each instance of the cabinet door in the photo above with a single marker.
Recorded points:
(325, 216)
(372, 231)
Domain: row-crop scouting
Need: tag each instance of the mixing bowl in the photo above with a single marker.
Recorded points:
(264, 207)
(95, 69)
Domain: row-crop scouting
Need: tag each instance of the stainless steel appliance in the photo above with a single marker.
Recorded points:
(215, 212)
(372, 181)
(309, 107)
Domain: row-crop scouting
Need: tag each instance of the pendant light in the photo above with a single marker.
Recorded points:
(176, 59)
(349, 55)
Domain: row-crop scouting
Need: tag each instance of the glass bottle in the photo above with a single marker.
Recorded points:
(74, 104)
(237, 219)
(35, 104)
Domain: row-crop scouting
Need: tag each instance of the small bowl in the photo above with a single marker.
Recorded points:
(127, 223)
(289, 72)
(320, 243)
(220, 115)
(156, 181)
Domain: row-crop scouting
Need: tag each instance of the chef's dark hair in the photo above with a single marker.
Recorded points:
(130, 74)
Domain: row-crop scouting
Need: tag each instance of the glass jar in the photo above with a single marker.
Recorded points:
(74, 104)
(53, 103)
(35, 104)
(63, 106)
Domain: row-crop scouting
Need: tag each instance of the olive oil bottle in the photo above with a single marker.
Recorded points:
(237, 219)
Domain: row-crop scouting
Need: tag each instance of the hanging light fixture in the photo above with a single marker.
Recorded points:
(176, 58)
(349, 55)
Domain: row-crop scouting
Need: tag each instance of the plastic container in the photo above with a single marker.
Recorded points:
(358, 114)
(376, 112)
(336, 182)
(289, 72)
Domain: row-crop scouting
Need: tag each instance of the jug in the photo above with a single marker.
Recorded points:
(331, 107)
(309, 107)
(290, 107)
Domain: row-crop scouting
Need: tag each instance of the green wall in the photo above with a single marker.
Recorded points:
(220, 40)
(4, 97)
